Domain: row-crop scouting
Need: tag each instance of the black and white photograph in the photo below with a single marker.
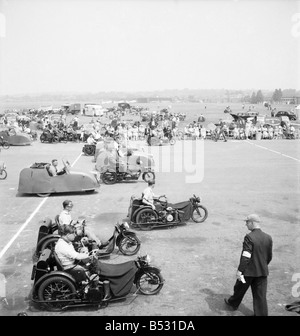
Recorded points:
(149, 160)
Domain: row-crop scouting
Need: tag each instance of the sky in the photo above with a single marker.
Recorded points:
(52, 46)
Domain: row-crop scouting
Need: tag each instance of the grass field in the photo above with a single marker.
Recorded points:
(212, 113)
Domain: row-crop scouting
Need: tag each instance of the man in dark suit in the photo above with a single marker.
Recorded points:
(253, 268)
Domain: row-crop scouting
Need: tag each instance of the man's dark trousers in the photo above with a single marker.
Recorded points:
(259, 294)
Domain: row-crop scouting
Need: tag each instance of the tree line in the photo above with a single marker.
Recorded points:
(258, 97)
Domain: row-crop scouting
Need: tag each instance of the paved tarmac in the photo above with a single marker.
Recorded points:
(198, 261)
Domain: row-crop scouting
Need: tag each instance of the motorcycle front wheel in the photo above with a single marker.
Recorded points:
(3, 174)
(129, 245)
(199, 214)
(150, 282)
(57, 289)
(109, 177)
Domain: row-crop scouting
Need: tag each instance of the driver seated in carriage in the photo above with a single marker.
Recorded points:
(67, 256)
(149, 198)
(52, 169)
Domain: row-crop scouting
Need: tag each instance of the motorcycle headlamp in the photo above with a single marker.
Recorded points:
(147, 259)
(198, 199)
(126, 226)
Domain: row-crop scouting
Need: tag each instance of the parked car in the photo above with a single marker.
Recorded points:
(290, 114)
(37, 180)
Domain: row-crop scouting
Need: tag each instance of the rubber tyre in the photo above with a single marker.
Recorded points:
(52, 289)
(126, 248)
(3, 174)
(44, 194)
(5, 145)
(145, 217)
(89, 150)
(146, 288)
(148, 176)
(42, 138)
(202, 212)
(172, 142)
(109, 177)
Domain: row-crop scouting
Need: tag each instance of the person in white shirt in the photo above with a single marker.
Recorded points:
(65, 250)
(90, 140)
(148, 196)
(65, 218)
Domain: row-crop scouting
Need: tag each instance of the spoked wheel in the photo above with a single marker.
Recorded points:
(5, 144)
(57, 289)
(172, 141)
(42, 138)
(150, 283)
(129, 245)
(44, 194)
(3, 174)
(199, 214)
(145, 219)
(148, 176)
(109, 177)
(89, 150)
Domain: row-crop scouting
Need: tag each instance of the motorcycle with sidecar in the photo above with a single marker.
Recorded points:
(122, 238)
(166, 214)
(128, 168)
(95, 285)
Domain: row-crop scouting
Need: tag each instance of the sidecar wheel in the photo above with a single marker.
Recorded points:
(5, 145)
(56, 289)
(148, 176)
(129, 245)
(145, 219)
(109, 177)
(3, 174)
(50, 244)
(150, 283)
(199, 214)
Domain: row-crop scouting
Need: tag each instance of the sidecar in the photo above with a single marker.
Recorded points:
(93, 284)
(16, 139)
(166, 214)
(133, 160)
(37, 180)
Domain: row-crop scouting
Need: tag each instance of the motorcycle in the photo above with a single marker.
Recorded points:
(112, 177)
(3, 172)
(126, 241)
(48, 136)
(55, 289)
(166, 214)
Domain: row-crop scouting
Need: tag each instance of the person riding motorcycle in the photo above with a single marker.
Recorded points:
(149, 198)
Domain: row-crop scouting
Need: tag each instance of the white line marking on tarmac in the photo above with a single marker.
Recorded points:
(7, 246)
(273, 151)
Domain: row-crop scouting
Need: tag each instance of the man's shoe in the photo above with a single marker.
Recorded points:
(230, 305)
